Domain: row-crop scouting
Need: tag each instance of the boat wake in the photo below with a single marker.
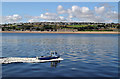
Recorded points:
(7, 60)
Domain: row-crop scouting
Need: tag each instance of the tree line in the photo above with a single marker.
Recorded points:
(87, 27)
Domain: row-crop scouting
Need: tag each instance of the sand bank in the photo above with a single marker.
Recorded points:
(79, 32)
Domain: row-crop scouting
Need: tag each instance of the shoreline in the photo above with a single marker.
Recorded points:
(79, 32)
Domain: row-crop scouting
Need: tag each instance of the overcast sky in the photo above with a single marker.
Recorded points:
(59, 11)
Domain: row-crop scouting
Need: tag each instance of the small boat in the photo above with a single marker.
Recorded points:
(53, 55)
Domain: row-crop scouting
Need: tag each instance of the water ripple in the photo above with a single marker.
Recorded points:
(85, 55)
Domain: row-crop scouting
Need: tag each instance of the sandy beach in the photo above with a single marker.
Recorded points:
(79, 32)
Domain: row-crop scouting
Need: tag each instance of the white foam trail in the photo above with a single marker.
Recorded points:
(24, 60)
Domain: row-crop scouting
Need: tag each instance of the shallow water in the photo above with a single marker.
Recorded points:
(85, 55)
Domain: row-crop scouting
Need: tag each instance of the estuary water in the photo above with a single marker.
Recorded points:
(85, 55)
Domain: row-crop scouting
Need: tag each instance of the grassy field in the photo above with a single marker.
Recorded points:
(81, 25)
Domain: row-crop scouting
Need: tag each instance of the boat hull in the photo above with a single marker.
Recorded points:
(48, 58)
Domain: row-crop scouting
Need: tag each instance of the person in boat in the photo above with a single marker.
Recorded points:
(54, 54)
